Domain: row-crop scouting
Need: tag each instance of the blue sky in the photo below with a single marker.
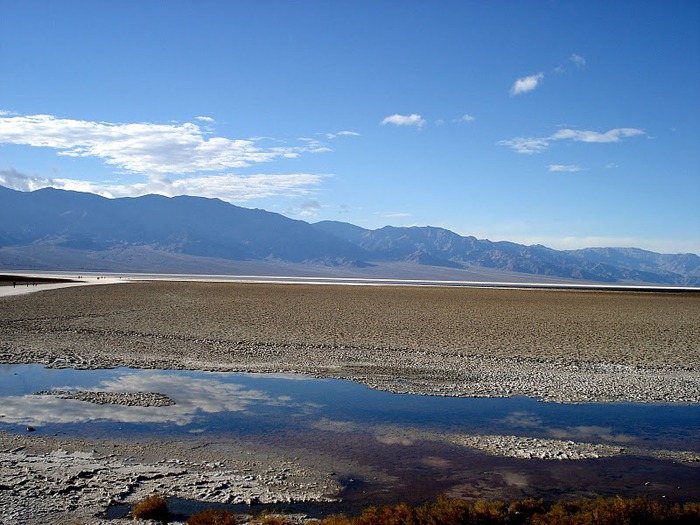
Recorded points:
(565, 123)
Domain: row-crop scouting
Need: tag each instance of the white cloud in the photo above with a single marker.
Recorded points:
(229, 187)
(145, 148)
(570, 168)
(15, 180)
(404, 120)
(467, 118)
(206, 119)
(342, 134)
(577, 59)
(526, 145)
(526, 84)
(193, 395)
(314, 145)
(614, 135)
(529, 145)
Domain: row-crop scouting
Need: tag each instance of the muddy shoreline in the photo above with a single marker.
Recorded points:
(563, 346)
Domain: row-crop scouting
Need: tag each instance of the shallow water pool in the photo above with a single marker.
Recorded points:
(257, 403)
(394, 433)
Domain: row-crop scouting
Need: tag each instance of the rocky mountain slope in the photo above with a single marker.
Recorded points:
(55, 229)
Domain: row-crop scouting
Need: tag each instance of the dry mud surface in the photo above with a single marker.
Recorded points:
(566, 346)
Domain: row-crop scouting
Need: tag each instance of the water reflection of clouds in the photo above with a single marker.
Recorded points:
(529, 420)
(332, 425)
(523, 420)
(385, 434)
(286, 377)
(591, 432)
(193, 395)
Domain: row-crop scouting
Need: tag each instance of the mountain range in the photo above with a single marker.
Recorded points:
(51, 229)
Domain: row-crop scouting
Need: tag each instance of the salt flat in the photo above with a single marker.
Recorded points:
(424, 335)
(557, 345)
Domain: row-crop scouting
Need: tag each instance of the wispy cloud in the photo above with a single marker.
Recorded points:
(394, 215)
(342, 134)
(229, 187)
(206, 119)
(526, 145)
(467, 118)
(568, 168)
(145, 148)
(526, 84)
(530, 145)
(614, 135)
(404, 120)
(574, 58)
(314, 145)
(577, 60)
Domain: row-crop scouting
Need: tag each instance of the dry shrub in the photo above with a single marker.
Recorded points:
(152, 508)
(603, 511)
(212, 517)
(400, 514)
(271, 519)
(444, 510)
(490, 513)
(338, 519)
(619, 511)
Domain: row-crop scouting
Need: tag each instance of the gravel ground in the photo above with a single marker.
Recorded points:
(567, 346)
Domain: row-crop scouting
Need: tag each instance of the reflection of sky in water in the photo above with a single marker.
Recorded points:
(259, 403)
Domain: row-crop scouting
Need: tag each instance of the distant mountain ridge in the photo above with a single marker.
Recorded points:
(49, 228)
(188, 225)
(445, 248)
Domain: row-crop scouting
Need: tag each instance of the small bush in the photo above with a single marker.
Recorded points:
(400, 514)
(271, 519)
(152, 508)
(336, 519)
(212, 517)
(602, 511)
